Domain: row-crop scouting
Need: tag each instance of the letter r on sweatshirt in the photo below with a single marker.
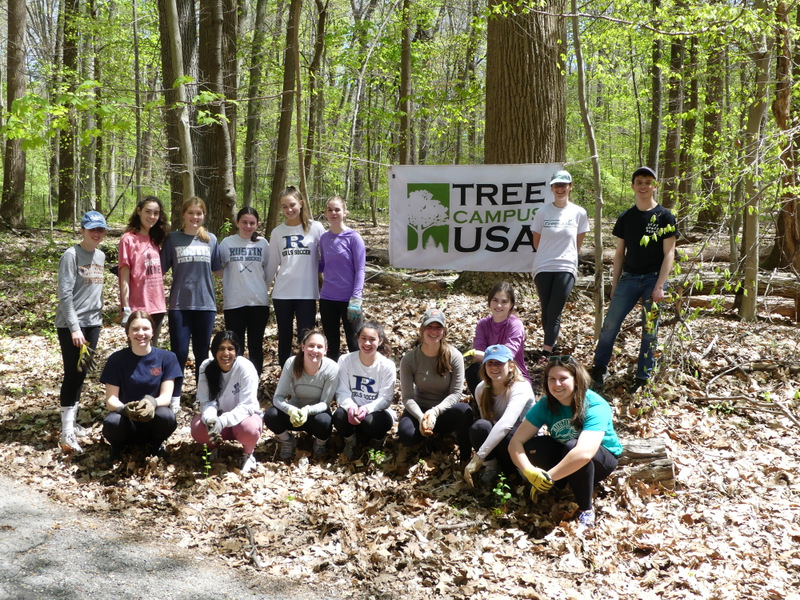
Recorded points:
(365, 384)
(293, 241)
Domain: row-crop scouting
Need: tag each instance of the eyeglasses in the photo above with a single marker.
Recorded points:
(564, 358)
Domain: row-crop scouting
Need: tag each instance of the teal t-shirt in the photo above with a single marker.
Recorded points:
(598, 418)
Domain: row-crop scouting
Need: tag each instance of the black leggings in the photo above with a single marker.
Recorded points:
(120, 431)
(374, 426)
(318, 425)
(546, 452)
(252, 322)
(286, 311)
(553, 290)
(455, 419)
(73, 381)
(331, 313)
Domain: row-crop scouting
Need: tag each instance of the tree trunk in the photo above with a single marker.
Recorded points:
(66, 148)
(250, 170)
(221, 191)
(315, 95)
(290, 58)
(786, 250)
(11, 209)
(685, 187)
(711, 201)
(672, 148)
(177, 21)
(404, 135)
(753, 149)
(526, 86)
(656, 100)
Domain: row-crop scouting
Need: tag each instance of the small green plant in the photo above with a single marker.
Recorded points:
(376, 456)
(206, 460)
(502, 489)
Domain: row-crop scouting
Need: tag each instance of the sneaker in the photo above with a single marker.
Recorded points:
(349, 447)
(69, 443)
(287, 448)
(544, 358)
(638, 384)
(599, 376)
(112, 458)
(320, 447)
(586, 519)
(489, 472)
(248, 464)
(80, 431)
(160, 452)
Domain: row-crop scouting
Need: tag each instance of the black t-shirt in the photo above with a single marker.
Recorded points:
(644, 232)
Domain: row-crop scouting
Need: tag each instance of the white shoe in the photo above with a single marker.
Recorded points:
(248, 464)
(69, 443)
(80, 431)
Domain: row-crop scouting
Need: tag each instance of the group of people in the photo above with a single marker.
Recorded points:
(567, 437)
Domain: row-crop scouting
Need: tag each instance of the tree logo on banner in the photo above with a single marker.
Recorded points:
(428, 220)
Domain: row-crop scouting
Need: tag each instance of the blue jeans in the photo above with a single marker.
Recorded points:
(187, 326)
(630, 289)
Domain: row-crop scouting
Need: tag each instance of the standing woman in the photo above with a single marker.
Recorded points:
(245, 257)
(228, 396)
(431, 383)
(502, 326)
(342, 263)
(193, 254)
(139, 381)
(141, 283)
(302, 400)
(503, 399)
(366, 388)
(294, 256)
(558, 232)
(581, 447)
(79, 317)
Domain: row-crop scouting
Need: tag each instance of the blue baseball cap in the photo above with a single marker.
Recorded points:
(561, 177)
(498, 352)
(93, 220)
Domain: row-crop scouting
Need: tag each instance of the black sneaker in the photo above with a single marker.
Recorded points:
(160, 452)
(638, 383)
(112, 458)
(599, 376)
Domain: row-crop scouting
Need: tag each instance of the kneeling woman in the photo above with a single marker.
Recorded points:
(302, 400)
(366, 388)
(227, 392)
(582, 447)
(431, 383)
(504, 396)
(139, 381)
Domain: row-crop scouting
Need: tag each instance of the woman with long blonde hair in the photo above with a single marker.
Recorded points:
(193, 255)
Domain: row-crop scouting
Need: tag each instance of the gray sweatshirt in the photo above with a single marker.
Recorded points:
(80, 289)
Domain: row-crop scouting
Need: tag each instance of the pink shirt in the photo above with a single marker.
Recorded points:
(510, 333)
(140, 254)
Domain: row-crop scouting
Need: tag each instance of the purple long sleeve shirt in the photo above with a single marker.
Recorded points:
(342, 264)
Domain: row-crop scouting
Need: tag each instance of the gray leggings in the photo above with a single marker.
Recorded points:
(553, 289)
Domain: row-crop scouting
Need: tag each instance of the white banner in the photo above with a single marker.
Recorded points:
(466, 217)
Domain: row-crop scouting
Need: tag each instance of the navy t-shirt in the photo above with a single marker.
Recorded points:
(136, 376)
(634, 226)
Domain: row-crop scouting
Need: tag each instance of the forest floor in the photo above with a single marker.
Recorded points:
(396, 525)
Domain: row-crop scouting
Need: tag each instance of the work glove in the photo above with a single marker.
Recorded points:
(472, 466)
(214, 428)
(140, 411)
(428, 423)
(298, 416)
(540, 480)
(86, 358)
(469, 354)
(354, 311)
(126, 314)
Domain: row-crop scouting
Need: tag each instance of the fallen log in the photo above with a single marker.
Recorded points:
(645, 460)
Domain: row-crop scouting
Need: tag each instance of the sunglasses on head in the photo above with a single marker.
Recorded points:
(562, 358)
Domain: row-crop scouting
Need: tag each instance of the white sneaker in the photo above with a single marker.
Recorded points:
(69, 443)
(80, 431)
(287, 448)
(248, 464)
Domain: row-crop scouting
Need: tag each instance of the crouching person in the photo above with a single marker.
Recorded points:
(582, 447)
(139, 381)
(227, 392)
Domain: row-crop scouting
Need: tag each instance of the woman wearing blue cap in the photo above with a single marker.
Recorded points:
(558, 232)
(431, 384)
(504, 397)
(79, 317)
